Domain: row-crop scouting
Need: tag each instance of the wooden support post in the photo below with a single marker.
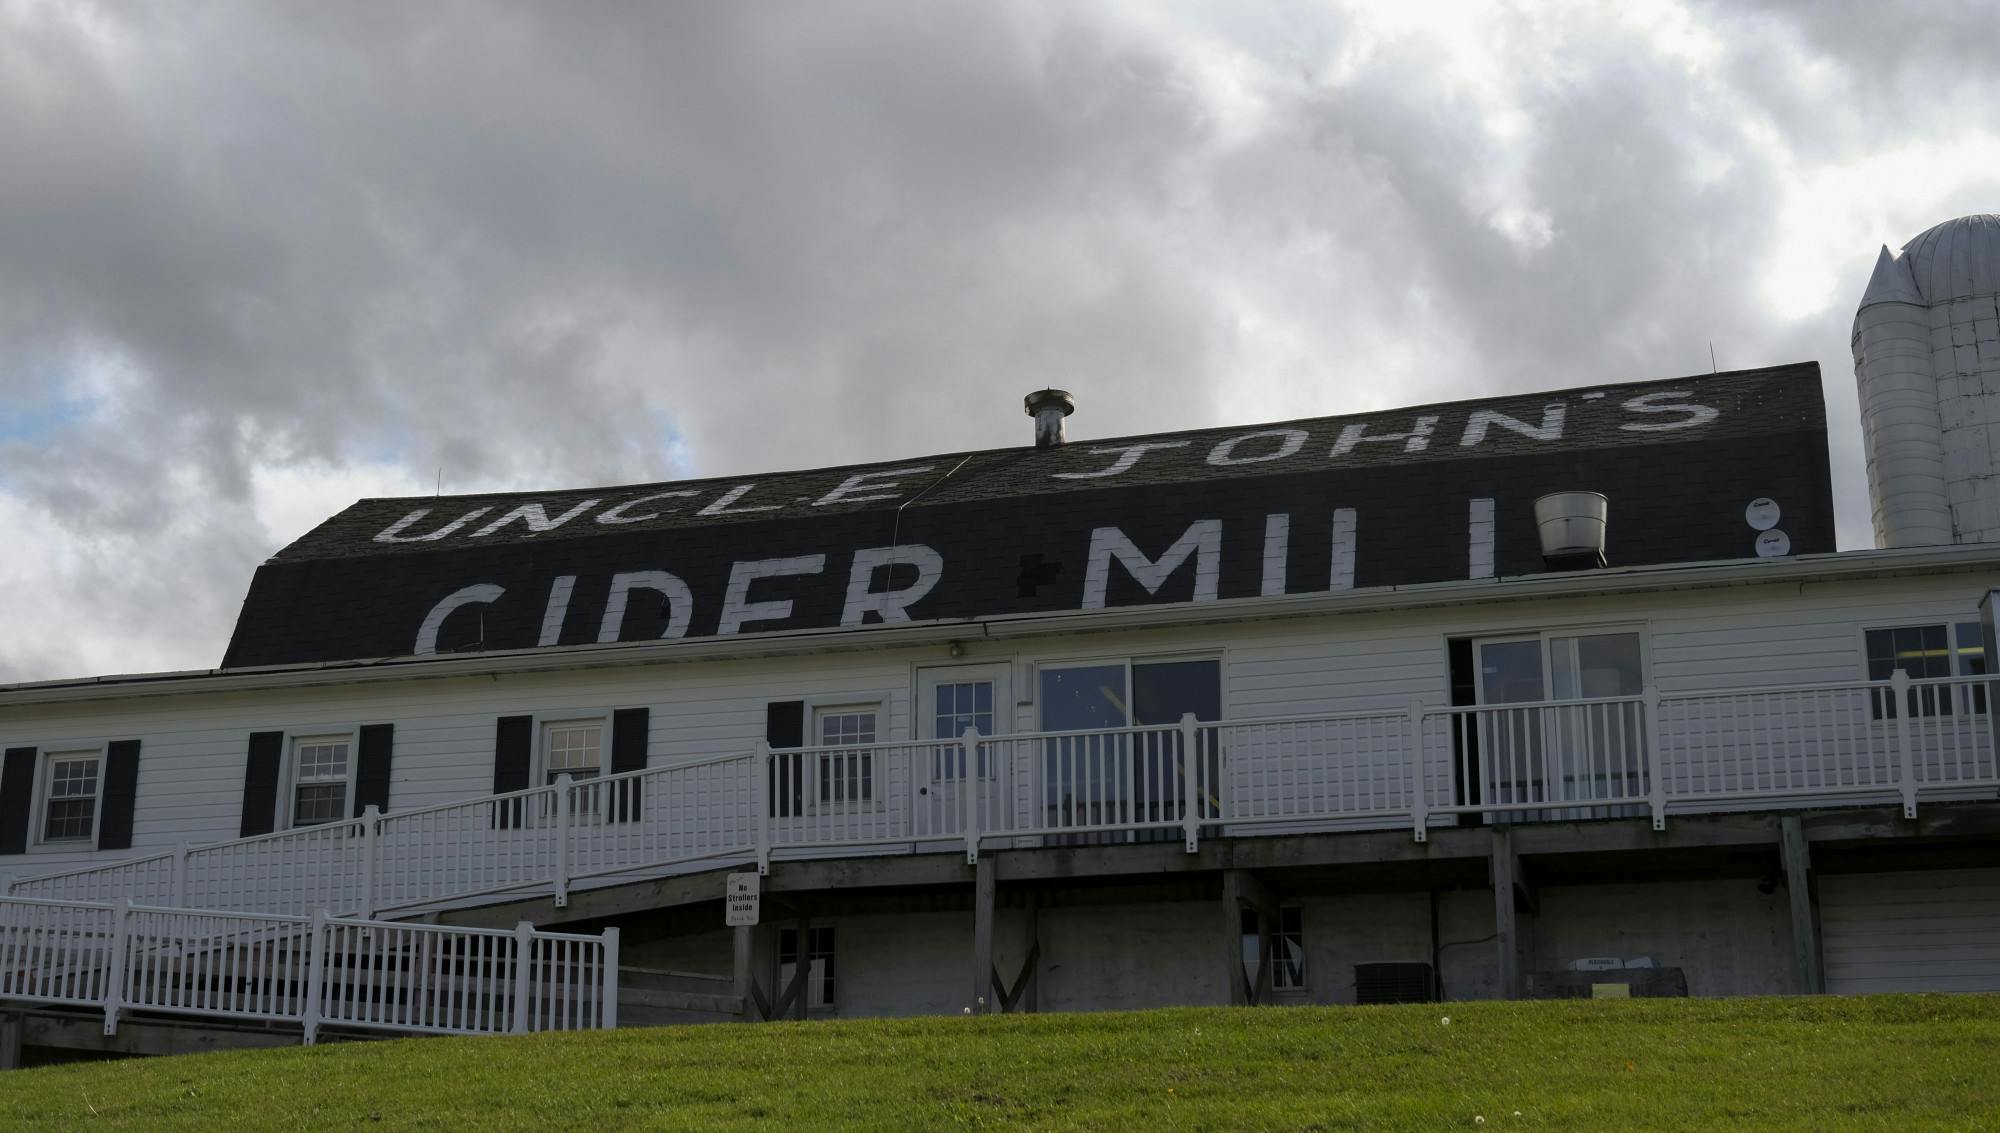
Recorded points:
(1798, 884)
(609, 996)
(802, 965)
(11, 1026)
(1506, 935)
(1232, 937)
(982, 936)
(742, 979)
(1031, 1002)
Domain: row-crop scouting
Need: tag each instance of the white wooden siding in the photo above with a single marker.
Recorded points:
(191, 766)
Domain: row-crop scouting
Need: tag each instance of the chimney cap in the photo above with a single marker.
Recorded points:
(1046, 399)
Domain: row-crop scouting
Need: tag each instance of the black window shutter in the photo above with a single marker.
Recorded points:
(260, 783)
(785, 727)
(121, 793)
(630, 730)
(17, 799)
(371, 767)
(513, 754)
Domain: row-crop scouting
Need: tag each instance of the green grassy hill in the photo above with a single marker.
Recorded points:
(1891, 1063)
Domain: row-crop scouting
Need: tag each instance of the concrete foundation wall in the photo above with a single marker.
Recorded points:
(1727, 937)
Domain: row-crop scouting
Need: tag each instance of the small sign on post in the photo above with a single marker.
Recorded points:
(740, 899)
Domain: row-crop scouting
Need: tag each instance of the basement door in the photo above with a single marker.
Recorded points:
(949, 702)
(1936, 930)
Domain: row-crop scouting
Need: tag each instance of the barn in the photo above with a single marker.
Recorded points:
(1553, 694)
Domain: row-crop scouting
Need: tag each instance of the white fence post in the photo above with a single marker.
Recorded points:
(968, 754)
(1899, 683)
(180, 900)
(309, 1013)
(114, 968)
(609, 1021)
(524, 943)
(760, 791)
(1652, 752)
(371, 822)
(562, 840)
(1191, 783)
(1420, 805)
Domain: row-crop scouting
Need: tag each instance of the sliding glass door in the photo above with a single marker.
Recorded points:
(1108, 769)
(1557, 726)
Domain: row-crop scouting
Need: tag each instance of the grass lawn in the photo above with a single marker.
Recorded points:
(1893, 1062)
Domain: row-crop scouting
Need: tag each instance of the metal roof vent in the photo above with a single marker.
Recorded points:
(1572, 529)
(1048, 407)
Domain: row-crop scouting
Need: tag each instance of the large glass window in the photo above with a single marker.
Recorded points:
(1928, 652)
(1112, 774)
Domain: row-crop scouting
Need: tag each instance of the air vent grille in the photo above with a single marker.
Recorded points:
(1394, 983)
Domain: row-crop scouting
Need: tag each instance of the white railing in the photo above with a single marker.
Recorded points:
(315, 971)
(1549, 760)
(1361, 767)
(1900, 740)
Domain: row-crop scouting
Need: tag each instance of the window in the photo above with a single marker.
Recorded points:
(1288, 948)
(819, 976)
(1928, 652)
(71, 811)
(319, 780)
(1560, 719)
(574, 748)
(1109, 777)
(956, 707)
(1578, 667)
(846, 776)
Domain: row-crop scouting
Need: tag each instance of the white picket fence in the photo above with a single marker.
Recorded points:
(1896, 741)
(316, 971)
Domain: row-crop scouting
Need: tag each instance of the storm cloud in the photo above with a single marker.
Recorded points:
(258, 260)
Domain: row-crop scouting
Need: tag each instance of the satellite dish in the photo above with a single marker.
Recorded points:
(1762, 514)
(1773, 544)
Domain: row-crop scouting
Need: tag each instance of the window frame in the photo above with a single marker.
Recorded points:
(1297, 941)
(1541, 636)
(816, 991)
(288, 777)
(1128, 661)
(1882, 710)
(46, 758)
(593, 804)
(540, 775)
(925, 680)
(818, 796)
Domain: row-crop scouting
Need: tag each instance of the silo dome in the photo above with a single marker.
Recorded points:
(1959, 259)
(1927, 368)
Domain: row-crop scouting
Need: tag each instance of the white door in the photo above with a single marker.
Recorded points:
(1929, 931)
(951, 701)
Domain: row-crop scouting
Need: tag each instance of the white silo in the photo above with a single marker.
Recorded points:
(1927, 362)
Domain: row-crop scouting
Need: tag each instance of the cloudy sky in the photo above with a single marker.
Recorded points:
(259, 260)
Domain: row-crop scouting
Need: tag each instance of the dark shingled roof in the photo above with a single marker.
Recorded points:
(359, 584)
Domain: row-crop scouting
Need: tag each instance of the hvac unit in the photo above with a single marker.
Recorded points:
(1394, 983)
